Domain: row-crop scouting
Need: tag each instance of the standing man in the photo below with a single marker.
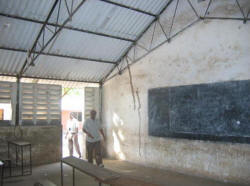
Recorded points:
(72, 135)
(92, 128)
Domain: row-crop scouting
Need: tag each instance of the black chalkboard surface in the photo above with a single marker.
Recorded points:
(216, 111)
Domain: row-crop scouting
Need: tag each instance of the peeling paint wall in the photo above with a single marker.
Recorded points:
(46, 141)
(209, 51)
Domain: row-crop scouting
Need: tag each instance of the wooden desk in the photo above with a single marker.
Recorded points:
(25, 161)
(103, 175)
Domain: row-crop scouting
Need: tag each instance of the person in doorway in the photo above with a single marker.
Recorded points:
(72, 135)
(93, 129)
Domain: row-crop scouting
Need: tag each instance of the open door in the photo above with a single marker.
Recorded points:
(79, 102)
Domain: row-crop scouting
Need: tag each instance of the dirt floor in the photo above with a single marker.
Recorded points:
(49, 175)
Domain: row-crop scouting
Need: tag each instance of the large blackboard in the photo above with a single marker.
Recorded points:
(216, 111)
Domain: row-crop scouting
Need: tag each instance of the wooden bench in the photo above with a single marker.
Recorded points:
(102, 175)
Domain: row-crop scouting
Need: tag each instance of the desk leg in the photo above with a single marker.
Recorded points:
(1, 176)
(61, 173)
(22, 159)
(8, 150)
(10, 167)
(16, 154)
(30, 161)
(73, 176)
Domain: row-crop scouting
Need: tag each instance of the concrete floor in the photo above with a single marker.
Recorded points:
(51, 173)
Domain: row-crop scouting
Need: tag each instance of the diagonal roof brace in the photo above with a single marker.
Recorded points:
(137, 39)
(26, 65)
(129, 7)
(37, 38)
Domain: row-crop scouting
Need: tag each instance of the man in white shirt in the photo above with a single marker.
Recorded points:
(72, 135)
(92, 128)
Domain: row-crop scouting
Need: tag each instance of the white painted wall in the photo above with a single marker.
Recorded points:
(210, 51)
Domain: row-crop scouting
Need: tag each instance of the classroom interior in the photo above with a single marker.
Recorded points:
(169, 81)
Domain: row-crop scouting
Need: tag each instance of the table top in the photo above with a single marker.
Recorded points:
(20, 143)
(101, 174)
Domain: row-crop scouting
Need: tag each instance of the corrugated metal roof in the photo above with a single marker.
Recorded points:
(110, 19)
(11, 62)
(68, 69)
(88, 45)
(94, 15)
(17, 34)
(35, 9)
(152, 6)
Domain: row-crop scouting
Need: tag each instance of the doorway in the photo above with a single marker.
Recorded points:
(72, 102)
